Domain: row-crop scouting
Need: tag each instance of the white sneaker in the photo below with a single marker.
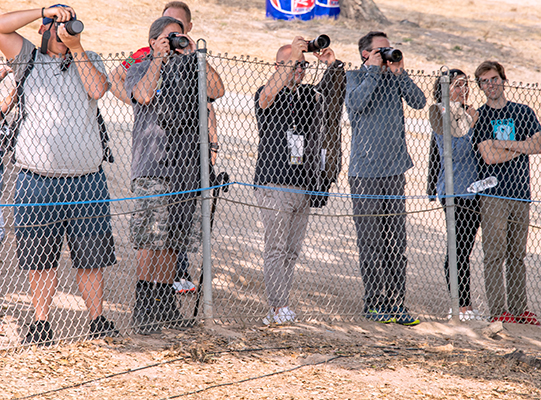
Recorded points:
(468, 315)
(471, 315)
(281, 316)
(284, 315)
(269, 319)
(184, 286)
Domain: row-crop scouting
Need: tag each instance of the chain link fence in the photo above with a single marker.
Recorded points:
(326, 282)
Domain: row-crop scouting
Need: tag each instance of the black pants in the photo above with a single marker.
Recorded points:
(381, 238)
(467, 221)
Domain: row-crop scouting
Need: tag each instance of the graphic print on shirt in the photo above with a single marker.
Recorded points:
(503, 129)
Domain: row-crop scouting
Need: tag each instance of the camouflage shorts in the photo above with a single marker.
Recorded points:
(152, 226)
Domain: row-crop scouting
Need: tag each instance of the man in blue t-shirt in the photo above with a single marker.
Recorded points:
(504, 135)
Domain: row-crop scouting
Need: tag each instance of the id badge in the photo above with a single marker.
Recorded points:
(296, 147)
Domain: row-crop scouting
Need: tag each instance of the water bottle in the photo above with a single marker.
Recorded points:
(479, 186)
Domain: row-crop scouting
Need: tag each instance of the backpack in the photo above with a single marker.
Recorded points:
(328, 141)
(9, 132)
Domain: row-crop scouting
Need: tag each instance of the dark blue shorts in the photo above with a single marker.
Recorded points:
(41, 229)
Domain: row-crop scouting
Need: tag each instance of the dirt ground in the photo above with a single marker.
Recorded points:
(301, 361)
(310, 360)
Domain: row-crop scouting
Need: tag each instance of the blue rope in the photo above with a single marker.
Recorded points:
(281, 189)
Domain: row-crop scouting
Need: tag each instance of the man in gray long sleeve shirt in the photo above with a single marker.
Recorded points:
(379, 159)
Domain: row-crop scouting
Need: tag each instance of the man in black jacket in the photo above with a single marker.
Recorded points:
(291, 118)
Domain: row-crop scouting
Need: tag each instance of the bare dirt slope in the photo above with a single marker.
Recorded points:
(308, 360)
(460, 33)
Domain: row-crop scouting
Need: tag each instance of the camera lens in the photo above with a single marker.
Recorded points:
(74, 27)
(177, 42)
(319, 43)
(390, 54)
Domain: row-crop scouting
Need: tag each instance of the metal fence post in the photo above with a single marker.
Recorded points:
(205, 194)
(450, 191)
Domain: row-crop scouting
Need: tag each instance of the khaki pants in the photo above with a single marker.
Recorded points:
(505, 235)
(285, 217)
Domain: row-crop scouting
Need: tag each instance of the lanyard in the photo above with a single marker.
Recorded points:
(292, 110)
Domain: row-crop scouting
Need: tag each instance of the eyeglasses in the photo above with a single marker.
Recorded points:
(492, 81)
(298, 64)
(302, 64)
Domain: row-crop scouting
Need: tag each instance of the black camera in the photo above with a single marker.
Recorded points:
(73, 27)
(390, 54)
(319, 43)
(177, 42)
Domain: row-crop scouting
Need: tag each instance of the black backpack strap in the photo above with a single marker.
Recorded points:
(9, 143)
(27, 71)
(104, 137)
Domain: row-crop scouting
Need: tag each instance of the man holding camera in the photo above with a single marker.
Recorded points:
(289, 116)
(180, 11)
(379, 159)
(59, 153)
(165, 160)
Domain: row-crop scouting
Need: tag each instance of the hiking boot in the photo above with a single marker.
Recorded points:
(143, 316)
(378, 314)
(166, 309)
(402, 316)
(102, 327)
(39, 333)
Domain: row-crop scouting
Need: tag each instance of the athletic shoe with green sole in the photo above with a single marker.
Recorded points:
(403, 317)
(378, 315)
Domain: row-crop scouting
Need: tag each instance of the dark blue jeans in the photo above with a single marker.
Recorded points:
(381, 238)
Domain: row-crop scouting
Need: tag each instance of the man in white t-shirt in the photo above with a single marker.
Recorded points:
(59, 154)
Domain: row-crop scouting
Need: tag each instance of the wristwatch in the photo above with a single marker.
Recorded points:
(213, 146)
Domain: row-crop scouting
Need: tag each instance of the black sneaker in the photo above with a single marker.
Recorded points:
(39, 333)
(102, 327)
